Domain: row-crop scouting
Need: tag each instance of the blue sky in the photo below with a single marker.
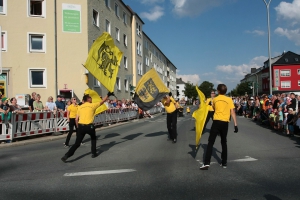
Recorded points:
(219, 40)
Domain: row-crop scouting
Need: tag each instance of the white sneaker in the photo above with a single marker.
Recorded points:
(204, 167)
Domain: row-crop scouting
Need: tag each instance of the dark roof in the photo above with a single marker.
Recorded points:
(288, 58)
(179, 81)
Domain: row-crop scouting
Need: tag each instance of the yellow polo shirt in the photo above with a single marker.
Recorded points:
(210, 108)
(170, 107)
(222, 106)
(73, 110)
(86, 112)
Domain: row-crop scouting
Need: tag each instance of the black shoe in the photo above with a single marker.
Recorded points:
(174, 141)
(64, 159)
(94, 155)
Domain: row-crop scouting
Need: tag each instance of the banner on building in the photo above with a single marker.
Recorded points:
(104, 60)
(150, 90)
(71, 16)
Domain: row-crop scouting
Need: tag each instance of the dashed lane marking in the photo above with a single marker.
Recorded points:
(100, 172)
(246, 159)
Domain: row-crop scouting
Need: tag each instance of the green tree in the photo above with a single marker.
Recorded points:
(190, 91)
(242, 88)
(206, 87)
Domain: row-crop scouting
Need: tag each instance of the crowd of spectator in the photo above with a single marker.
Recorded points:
(279, 111)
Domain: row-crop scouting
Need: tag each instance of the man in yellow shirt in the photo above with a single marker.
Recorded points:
(170, 107)
(84, 122)
(71, 115)
(209, 102)
(224, 108)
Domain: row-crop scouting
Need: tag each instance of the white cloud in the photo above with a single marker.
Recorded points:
(289, 11)
(293, 35)
(192, 78)
(194, 7)
(238, 71)
(256, 32)
(151, 1)
(154, 14)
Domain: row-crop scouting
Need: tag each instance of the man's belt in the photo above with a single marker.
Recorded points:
(85, 124)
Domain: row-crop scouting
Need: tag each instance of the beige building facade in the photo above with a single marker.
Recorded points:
(46, 42)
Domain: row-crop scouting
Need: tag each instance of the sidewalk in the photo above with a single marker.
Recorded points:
(47, 137)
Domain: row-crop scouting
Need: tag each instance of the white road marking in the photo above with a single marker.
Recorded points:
(246, 159)
(100, 172)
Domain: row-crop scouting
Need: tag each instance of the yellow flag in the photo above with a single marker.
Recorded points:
(200, 116)
(104, 60)
(150, 90)
(96, 98)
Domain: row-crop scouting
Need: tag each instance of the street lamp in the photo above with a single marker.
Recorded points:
(269, 43)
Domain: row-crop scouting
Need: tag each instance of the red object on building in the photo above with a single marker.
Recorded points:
(285, 73)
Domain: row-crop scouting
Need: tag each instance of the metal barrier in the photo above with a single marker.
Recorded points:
(37, 123)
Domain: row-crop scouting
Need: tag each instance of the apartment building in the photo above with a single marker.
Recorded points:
(154, 58)
(46, 42)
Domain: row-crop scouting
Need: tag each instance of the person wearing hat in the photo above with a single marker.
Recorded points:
(84, 122)
(5, 111)
(60, 105)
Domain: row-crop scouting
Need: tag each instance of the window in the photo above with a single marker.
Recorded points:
(95, 18)
(296, 59)
(118, 82)
(298, 70)
(4, 41)
(117, 10)
(107, 3)
(285, 84)
(285, 72)
(3, 4)
(140, 69)
(37, 78)
(298, 83)
(147, 62)
(107, 26)
(126, 84)
(139, 48)
(118, 34)
(124, 18)
(286, 60)
(151, 57)
(37, 43)
(125, 39)
(125, 62)
(146, 44)
(36, 8)
(96, 83)
(138, 29)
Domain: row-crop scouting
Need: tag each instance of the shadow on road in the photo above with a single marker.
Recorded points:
(105, 147)
(156, 134)
(194, 151)
(214, 153)
(271, 197)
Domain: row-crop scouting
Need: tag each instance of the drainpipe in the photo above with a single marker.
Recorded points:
(55, 47)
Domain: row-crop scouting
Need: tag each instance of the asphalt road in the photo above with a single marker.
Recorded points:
(137, 162)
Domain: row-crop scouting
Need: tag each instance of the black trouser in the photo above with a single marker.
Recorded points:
(218, 127)
(71, 130)
(210, 115)
(172, 125)
(82, 130)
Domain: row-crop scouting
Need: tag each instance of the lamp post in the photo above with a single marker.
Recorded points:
(269, 43)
